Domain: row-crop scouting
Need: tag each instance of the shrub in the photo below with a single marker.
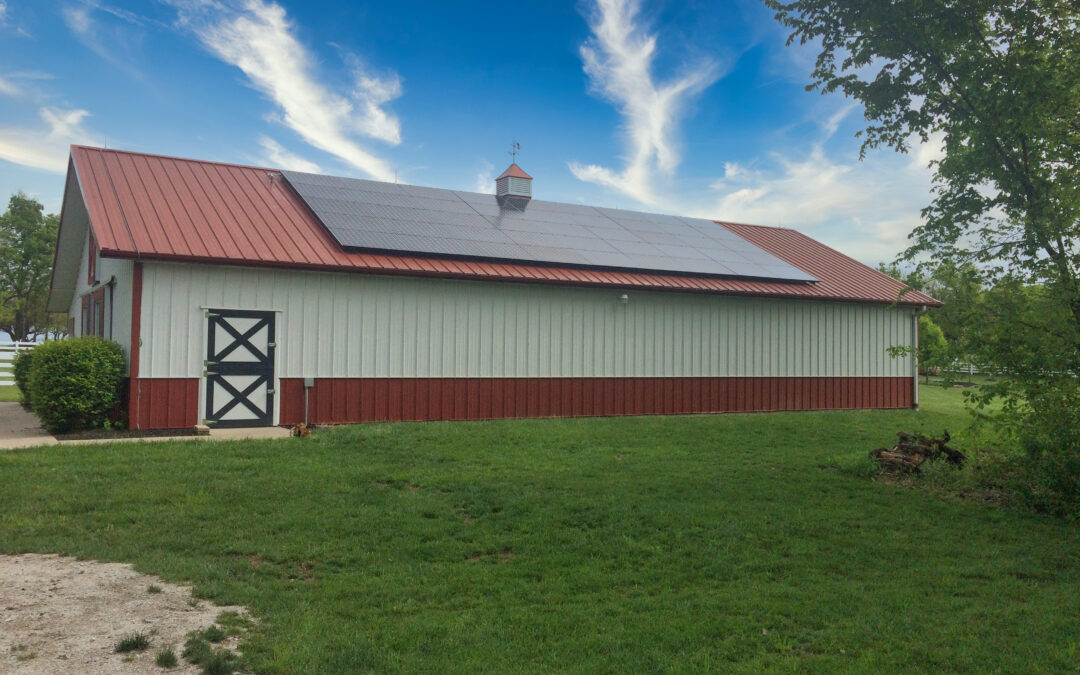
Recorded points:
(20, 370)
(1049, 432)
(136, 642)
(166, 658)
(75, 383)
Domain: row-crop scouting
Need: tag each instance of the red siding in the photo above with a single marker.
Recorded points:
(350, 400)
(163, 403)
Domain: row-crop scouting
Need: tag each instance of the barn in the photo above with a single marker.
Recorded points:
(248, 296)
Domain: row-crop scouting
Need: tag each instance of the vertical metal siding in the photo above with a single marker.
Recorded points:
(341, 325)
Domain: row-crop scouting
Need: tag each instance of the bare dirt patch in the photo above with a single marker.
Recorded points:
(62, 615)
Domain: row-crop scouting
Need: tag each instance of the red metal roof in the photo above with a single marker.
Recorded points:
(166, 208)
(514, 171)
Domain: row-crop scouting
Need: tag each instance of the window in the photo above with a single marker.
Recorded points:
(93, 313)
(99, 312)
(86, 316)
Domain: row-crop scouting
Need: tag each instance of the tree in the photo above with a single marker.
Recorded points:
(933, 348)
(27, 243)
(959, 287)
(997, 82)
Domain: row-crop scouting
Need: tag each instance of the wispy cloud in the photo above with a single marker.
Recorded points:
(8, 88)
(485, 178)
(45, 148)
(112, 42)
(258, 38)
(3, 12)
(281, 158)
(618, 59)
(865, 208)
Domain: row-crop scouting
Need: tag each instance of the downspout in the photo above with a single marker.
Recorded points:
(915, 355)
(111, 283)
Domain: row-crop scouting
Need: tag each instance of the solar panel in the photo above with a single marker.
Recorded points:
(369, 215)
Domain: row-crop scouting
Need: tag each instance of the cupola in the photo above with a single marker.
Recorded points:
(514, 182)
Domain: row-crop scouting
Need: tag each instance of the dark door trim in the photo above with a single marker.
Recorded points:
(223, 394)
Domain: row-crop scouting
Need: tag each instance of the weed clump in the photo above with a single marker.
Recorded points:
(136, 642)
(166, 658)
(199, 650)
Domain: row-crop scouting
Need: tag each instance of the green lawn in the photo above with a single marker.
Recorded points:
(724, 543)
(8, 394)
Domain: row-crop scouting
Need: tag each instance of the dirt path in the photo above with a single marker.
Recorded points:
(61, 615)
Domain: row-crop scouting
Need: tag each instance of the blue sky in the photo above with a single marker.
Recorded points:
(688, 107)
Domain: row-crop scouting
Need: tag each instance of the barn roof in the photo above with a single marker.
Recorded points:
(152, 207)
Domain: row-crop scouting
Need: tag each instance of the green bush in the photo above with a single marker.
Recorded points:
(20, 370)
(75, 383)
(1049, 432)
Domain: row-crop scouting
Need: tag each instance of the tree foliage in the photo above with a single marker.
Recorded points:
(27, 243)
(933, 347)
(997, 83)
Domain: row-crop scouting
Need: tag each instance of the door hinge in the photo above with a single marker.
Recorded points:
(209, 372)
(207, 364)
(271, 391)
(271, 344)
(211, 315)
(209, 422)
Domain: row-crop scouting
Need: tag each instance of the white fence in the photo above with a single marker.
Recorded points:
(7, 354)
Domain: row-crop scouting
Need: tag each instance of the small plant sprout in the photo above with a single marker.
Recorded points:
(153, 590)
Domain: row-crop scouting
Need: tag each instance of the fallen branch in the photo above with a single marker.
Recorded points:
(910, 451)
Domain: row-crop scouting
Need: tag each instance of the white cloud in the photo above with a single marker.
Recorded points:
(111, 43)
(259, 39)
(618, 59)
(864, 208)
(7, 88)
(281, 158)
(45, 149)
(485, 178)
(3, 12)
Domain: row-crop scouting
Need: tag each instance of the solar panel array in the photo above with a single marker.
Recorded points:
(363, 214)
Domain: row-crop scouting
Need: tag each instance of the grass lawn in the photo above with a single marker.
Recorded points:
(726, 543)
(10, 394)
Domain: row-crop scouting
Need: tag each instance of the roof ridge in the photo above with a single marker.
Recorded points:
(172, 157)
(763, 227)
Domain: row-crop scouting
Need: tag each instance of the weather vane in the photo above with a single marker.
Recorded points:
(515, 148)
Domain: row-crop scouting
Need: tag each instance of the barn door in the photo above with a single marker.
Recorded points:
(239, 368)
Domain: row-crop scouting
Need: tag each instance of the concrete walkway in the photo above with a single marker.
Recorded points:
(20, 429)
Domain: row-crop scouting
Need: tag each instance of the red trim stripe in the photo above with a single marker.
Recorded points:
(351, 400)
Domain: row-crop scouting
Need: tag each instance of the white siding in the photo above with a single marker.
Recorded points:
(358, 325)
(118, 308)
